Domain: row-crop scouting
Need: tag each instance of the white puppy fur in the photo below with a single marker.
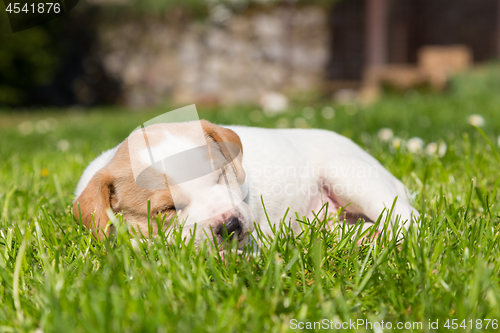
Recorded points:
(304, 168)
(300, 169)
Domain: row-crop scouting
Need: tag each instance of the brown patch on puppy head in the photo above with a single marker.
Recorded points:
(220, 135)
(95, 199)
(131, 199)
(114, 187)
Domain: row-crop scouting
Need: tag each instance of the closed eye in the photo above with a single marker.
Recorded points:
(165, 210)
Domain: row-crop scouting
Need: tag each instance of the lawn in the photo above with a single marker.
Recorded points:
(56, 277)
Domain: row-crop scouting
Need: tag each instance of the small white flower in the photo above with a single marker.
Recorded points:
(300, 123)
(283, 123)
(476, 120)
(328, 112)
(385, 134)
(25, 128)
(63, 145)
(498, 141)
(273, 103)
(442, 149)
(396, 143)
(43, 126)
(53, 122)
(415, 145)
(431, 149)
(308, 112)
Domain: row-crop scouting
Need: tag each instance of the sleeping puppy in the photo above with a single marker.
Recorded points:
(215, 182)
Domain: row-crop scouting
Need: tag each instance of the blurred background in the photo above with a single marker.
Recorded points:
(144, 53)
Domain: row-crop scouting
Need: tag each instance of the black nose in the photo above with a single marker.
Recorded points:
(230, 228)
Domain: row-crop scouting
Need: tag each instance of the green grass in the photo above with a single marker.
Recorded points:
(54, 276)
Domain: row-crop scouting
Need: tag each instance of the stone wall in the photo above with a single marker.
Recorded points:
(235, 61)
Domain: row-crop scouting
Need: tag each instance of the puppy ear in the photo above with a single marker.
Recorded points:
(94, 200)
(221, 135)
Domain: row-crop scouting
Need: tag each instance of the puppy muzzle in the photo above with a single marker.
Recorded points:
(231, 229)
